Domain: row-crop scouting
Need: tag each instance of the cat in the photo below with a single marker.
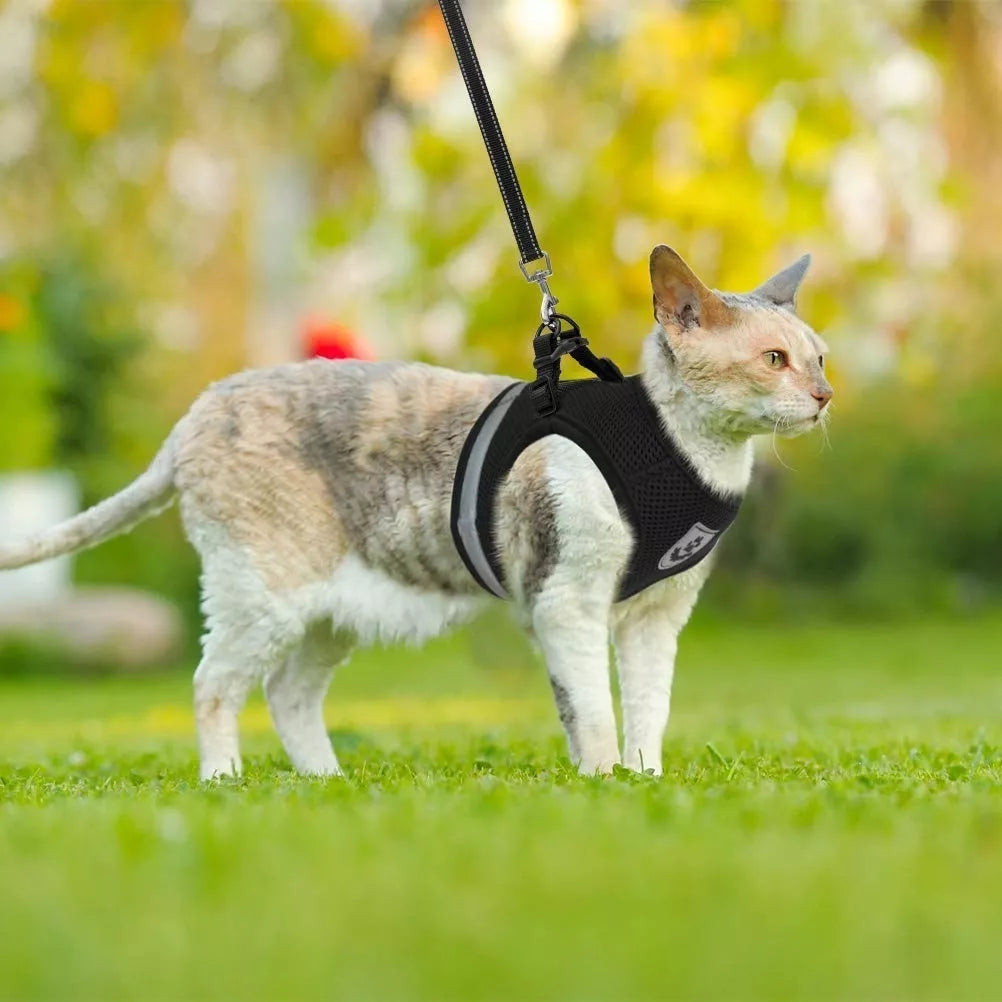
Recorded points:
(318, 497)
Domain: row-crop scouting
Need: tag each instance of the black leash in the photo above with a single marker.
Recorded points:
(551, 341)
(490, 129)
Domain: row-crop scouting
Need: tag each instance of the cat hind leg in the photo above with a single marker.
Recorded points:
(295, 692)
(243, 646)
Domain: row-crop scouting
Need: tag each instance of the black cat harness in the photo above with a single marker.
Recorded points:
(676, 518)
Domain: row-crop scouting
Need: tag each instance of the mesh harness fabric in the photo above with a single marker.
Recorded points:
(676, 518)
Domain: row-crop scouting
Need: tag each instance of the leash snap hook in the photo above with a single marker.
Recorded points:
(547, 308)
(539, 276)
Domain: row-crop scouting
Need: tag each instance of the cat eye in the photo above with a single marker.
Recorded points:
(821, 361)
(776, 359)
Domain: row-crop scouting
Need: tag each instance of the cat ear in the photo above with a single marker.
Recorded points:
(681, 299)
(781, 289)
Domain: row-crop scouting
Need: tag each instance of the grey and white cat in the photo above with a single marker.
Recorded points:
(318, 496)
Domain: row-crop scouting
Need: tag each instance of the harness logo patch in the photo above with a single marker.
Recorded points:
(696, 540)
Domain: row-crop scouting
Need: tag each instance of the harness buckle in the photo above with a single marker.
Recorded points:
(546, 361)
(565, 346)
(543, 394)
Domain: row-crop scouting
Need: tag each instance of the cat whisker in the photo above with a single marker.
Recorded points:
(775, 448)
(826, 441)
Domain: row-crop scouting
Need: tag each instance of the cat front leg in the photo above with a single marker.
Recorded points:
(564, 545)
(645, 637)
(572, 630)
(645, 659)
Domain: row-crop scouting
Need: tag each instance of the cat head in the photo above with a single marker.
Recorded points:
(748, 357)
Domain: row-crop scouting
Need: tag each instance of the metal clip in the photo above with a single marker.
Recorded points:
(547, 307)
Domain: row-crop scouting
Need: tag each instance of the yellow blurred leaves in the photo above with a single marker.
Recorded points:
(672, 43)
(93, 110)
(12, 313)
(93, 55)
(323, 33)
(420, 67)
(721, 112)
(718, 34)
(811, 147)
(713, 127)
(919, 369)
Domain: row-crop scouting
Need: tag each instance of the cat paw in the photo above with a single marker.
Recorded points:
(326, 770)
(223, 769)
(598, 767)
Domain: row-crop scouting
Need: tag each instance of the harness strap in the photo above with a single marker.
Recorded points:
(548, 346)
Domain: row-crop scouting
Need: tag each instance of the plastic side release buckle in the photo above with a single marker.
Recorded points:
(543, 394)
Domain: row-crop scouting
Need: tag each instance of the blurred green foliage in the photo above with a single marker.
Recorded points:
(69, 376)
(66, 349)
(143, 147)
(899, 514)
(89, 348)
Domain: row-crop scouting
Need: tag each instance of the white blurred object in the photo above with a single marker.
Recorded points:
(771, 128)
(18, 129)
(254, 62)
(18, 34)
(631, 241)
(442, 327)
(100, 627)
(906, 79)
(202, 180)
(29, 503)
(278, 238)
(858, 201)
(541, 28)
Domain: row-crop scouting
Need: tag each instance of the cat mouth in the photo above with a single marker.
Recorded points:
(799, 426)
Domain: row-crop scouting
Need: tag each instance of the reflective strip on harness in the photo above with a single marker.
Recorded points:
(465, 501)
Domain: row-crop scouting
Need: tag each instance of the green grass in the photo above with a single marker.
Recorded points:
(829, 827)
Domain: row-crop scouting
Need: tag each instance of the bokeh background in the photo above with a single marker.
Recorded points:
(189, 188)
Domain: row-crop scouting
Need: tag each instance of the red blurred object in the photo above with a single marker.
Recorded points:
(327, 339)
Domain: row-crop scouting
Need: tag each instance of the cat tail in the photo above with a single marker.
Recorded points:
(147, 495)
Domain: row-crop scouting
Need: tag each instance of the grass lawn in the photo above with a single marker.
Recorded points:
(829, 827)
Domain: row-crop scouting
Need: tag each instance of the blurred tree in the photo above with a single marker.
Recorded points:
(88, 347)
(147, 138)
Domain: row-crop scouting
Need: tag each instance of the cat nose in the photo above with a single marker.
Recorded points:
(822, 394)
